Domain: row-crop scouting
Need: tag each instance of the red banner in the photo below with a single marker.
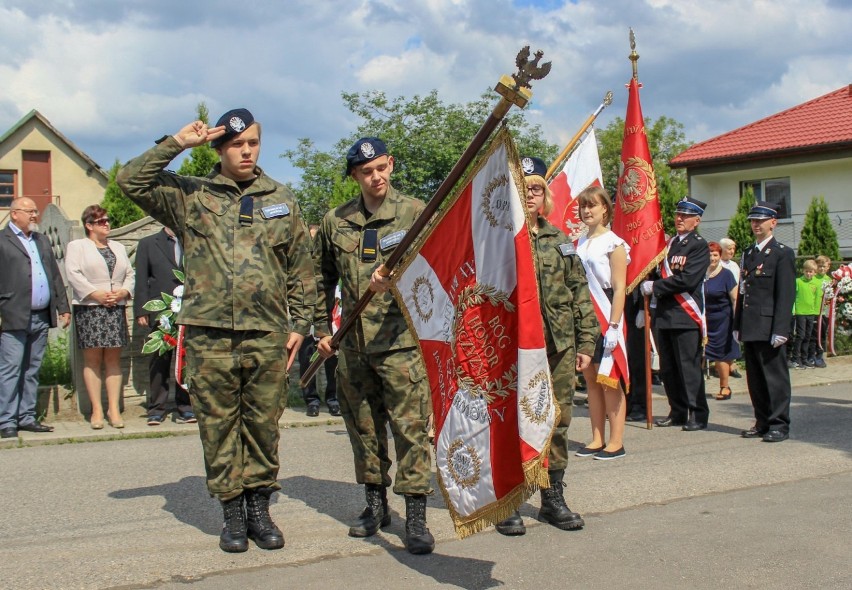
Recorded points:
(637, 217)
(582, 170)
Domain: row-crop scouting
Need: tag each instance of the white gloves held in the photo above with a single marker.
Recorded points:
(640, 319)
(777, 340)
(610, 339)
(647, 288)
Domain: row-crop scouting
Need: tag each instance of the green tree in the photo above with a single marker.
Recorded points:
(818, 235)
(739, 230)
(425, 136)
(666, 139)
(120, 209)
(202, 158)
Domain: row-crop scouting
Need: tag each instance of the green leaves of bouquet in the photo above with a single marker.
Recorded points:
(164, 338)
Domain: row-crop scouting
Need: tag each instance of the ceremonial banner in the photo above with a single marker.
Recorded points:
(470, 296)
(637, 216)
(582, 170)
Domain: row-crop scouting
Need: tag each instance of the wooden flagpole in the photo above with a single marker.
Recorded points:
(563, 155)
(514, 90)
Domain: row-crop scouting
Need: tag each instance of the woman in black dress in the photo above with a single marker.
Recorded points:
(720, 295)
(102, 279)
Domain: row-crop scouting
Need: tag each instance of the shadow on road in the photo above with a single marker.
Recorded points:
(343, 501)
(186, 499)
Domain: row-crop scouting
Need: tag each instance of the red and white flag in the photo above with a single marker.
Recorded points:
(470, 296)
(582, 170)
(637, 219)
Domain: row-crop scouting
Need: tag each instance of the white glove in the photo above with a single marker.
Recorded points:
(610, 339)
(640, 319)
(737, 335)
(647, 288)
(778, 340)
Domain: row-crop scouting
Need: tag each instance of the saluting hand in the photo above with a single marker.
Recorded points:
(198, 133)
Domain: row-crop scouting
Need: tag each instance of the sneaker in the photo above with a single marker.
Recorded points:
(334, 408)
(793, 365)
(313, 410)
(155, 420)
(186, 418)
(810, 363)
(608, 455)
(588, 451)
(820, 363)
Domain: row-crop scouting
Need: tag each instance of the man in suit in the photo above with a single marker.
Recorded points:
(679, 319)
(32, 294)
(157, 256)
(762, 320)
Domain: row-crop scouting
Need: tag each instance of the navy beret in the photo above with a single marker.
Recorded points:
(690, 206)
(533, 166)
(364, 150)
(235, 121)
(763, 210)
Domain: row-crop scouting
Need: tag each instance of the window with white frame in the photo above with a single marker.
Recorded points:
(772, 190)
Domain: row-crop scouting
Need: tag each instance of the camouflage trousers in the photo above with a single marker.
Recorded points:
(375, 390)
(237, 383)
(562, 371)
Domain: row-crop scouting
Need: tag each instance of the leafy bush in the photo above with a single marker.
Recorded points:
(56, 364)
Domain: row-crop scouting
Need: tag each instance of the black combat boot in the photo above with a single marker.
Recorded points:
(376, 515)
(259, 524)
(553, 508)
(233, 538)
(418, 539)
(512, 526)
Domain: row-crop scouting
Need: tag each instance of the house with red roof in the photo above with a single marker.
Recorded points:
(787, 158)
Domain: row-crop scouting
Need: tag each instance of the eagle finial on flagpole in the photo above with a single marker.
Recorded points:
(634, 57)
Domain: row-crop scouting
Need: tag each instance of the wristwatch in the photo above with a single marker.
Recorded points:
(613, 325)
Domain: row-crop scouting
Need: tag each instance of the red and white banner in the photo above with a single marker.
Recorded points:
(582, 170)
(470, 296)
(637, 218)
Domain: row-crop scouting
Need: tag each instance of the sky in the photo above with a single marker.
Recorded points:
(114, 75)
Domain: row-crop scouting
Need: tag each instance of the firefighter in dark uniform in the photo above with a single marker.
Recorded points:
(762, 320)
(679, 319)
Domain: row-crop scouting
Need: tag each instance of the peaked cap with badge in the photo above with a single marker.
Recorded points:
(763, 210)
(235, 122)
(690, 206)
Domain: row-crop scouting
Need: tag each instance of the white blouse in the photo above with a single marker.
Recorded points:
(595, 253)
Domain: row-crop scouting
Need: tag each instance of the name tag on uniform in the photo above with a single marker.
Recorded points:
(272, 211)
(567, 249)
(391, 240)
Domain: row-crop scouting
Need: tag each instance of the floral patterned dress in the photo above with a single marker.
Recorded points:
(99, 326)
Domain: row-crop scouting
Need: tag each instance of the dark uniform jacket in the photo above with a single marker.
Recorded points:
(16, 281)
(688, 260)
(155, 262)
(254, 277)
(767, 292)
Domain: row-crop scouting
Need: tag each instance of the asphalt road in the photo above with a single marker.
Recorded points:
(683, 510)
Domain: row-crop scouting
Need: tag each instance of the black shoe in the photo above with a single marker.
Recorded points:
(375, 516)
(608, 455)
(512, 526)
(775, 436)
(655, 379)
(233, 538)
(259, 525)
(736, 374)
(187, 417)
(819, 363)
(313, 410)
(692, 426)
(333, 408)
(35, 427)
(553, 508)
(668, 421)
(155, 420)
(10, 432)
(588, 451)
(636, 416)
(753, 432)
(418, 539)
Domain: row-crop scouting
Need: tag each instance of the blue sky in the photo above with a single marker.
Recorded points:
(113, 76)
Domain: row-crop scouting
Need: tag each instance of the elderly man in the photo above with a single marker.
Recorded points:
(680, 319)
(247, 305)
(762, 319)
(31, 296)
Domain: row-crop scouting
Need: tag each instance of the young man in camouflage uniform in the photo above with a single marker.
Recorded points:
(570, 331)
(249, 294)
(381, 377)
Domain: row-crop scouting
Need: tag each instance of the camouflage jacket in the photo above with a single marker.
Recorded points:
(254, 277)
(566, 305)
(381, 326)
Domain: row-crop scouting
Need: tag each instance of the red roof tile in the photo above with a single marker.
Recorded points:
(821, 124)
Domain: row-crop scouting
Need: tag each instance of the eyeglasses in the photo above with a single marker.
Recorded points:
(27, 211)
(101, 221)
(536, 189)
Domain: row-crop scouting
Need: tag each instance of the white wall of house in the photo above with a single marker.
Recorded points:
(830, 178)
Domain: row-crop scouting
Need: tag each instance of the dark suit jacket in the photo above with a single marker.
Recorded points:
(688, 260)
(155, 260)
(767, 292)
(16, 290)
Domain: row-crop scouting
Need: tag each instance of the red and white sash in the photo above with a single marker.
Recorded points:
(685, 300)
(613, 365)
